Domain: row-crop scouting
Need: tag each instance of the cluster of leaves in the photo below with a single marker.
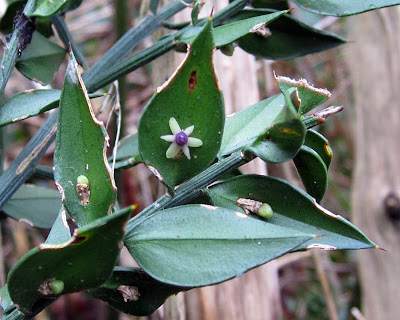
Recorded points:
(202, 232)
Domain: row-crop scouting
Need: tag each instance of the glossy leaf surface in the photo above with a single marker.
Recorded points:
(293, 209)
(30, 103)
(151, 293)
(243, 127)
(283, 139)
(34, 205)
(84, 262)
(310, 97)
(81, 151)
(193, 98)
(196, 245)
(319, 144)
(344, 7)
(288, 38)
(233, 31)
(45, 8)
(41, 59)
(312, 171)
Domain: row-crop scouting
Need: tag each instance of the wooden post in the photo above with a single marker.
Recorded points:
(375, 73)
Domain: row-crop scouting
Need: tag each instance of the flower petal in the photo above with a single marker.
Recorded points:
(189, 130)
(173, 150)
(169, 138)
(186, 151)
(174, 126)
(194, 142)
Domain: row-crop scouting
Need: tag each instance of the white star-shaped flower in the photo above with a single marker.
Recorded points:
(180, 140)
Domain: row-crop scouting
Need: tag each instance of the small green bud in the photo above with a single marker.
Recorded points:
(82, 180)
(56, 286)
(265, 211)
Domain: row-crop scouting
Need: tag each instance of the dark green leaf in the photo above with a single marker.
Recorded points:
(30, 103)
(7, 20)
(127, 153)
(154, 6)
(283, 139)
(344, 7)
(60, 231)
(243, 127)
(80, 152)
(319, 144)
(84, 262)
(309, 96)
(196, 245)
(270, 4)
(45, 8)
(41, 59)
(293, 209)
(71, 5)
(312, 171)
(192, 97)
(151, 293)
(128, 148)
(233, 31)
(288, 38)
(35, 205)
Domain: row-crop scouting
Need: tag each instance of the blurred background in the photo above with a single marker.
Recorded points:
(362, 75)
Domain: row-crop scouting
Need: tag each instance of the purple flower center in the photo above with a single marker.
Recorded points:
(181, 138)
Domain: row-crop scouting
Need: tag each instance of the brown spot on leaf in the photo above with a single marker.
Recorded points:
(192, 80)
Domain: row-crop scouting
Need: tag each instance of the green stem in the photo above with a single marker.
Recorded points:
(11, 52)
(190, 190)
(130, 40)
(159, 48)
(23, 166)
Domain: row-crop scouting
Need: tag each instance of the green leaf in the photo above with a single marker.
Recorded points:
(197, 245)
(128, 148)
(128, 151)
(288, 38)
(60, 231)
(271, 4)
(233, 31)
(45, 8)
(284, 137)
(312, 171)
(41, 59)
(35, 205)
(151, 293)
(7, 20)
(30, 103)
(84, 262)
(319, 144)
(243, 127)
(293, 209)
(154, 6)
(192, 97)
(309, 97)
(342, 8)
(81, 150)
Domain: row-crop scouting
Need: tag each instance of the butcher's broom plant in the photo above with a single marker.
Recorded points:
(213, 223)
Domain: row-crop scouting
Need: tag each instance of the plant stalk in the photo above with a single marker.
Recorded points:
(190, 190)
